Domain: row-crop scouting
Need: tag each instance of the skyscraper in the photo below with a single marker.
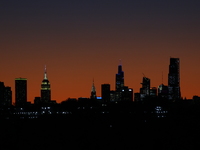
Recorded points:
(45, 89)
(105, 92)
(145, 90)
(174, 79)
(5, 95)
(8, 96)
(20, 91)
(119, 83)
(93, 92)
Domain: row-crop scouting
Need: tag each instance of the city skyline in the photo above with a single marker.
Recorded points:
(79, 41)
(119, 84)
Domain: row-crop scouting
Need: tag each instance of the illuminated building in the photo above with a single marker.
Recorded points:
(93, 92)
(20, 91)
(105, 93)
(119, 83)
(145, 90)
(45, 89)
(174, 79)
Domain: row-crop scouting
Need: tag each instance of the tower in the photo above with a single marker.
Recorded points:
(174, 79)
(119, 78)
(119, 83)
(20, 91)
(45, 88)
(93, 91)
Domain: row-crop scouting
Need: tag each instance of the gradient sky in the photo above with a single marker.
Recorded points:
(81, 40)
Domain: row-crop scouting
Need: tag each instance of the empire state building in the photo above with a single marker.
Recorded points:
(45, 89)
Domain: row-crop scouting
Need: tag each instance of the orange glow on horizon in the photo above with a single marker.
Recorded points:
(82, 41)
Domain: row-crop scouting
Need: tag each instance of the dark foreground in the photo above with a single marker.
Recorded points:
(98, 132)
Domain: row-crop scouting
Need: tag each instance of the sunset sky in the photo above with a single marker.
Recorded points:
(84, 39)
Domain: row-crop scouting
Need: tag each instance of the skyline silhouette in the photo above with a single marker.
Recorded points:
(79, 41)
(171, 93)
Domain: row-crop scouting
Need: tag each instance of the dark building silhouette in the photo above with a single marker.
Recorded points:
(153, 92)
(196, 99)
(5, 95)
(20, 91)
(2, 89)
(119, 83)
(84, 100)
(8, 96)
(93, 91)
(45, 89)
(37, 100)
(105, 93)
(112, 96)
(163, 91)
(145, 90)
(174, 79)
(127, 94)
(137, 97)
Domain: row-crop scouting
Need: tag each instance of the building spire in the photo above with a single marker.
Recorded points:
(120, 66)
(45, 72)
(120, 62)
(93, 87)
(93, 91)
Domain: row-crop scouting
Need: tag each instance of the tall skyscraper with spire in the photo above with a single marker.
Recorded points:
(119, 83)
(93, 91)
(174, 79)
(45, 89)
